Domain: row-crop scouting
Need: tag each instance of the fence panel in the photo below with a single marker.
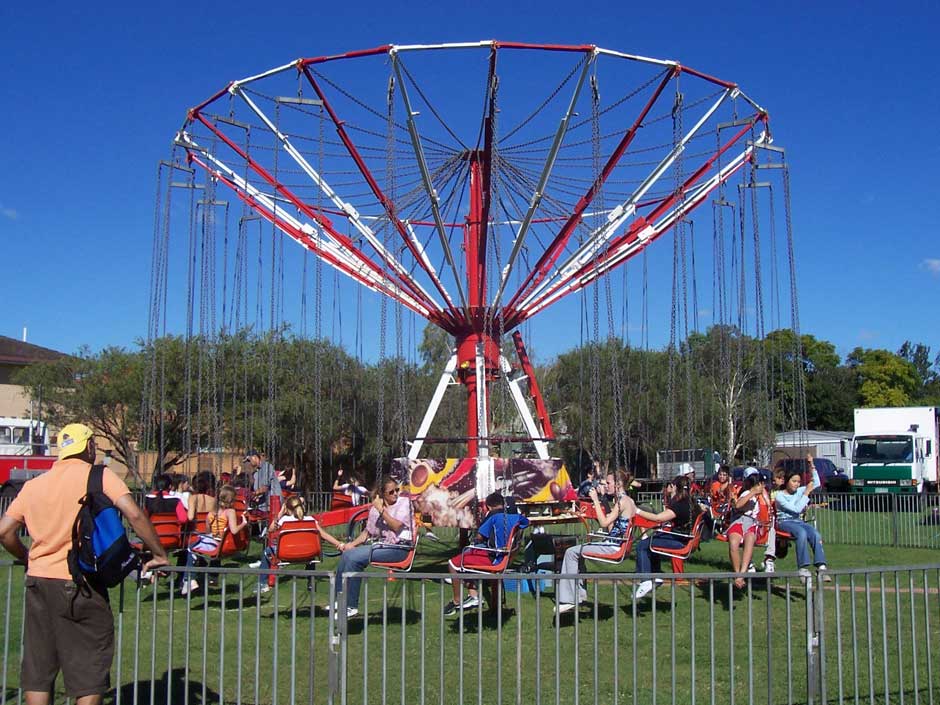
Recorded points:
(867, 636)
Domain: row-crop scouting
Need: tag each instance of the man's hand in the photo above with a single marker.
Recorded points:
(592, 494)
(156, 562)
(142, 527)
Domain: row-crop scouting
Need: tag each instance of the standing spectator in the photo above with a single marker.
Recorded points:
(265, 485)
(390, 522)
(67, 627)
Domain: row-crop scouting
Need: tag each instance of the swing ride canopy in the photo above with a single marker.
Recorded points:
(475, 184)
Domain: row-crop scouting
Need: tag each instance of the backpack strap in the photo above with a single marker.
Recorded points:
(96, 480)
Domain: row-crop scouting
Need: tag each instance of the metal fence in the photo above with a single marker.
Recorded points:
(901, 521)
(868, 636)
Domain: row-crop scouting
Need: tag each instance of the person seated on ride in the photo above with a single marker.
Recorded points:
(217, 522)
(680, 511)
(493, 534)
(744, 523)
(719, 492)
(181, 489)
(162, 501)
(790, 504)
(615, 520)
(202, 499)
(770, 552)
(292, 510)
(389, 523)
(352, 489)
(590, 480)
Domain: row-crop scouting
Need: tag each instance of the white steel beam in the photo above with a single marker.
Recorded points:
(342, 205)
(447, 379)
(515, 390)
(433, 198)
(536, 199)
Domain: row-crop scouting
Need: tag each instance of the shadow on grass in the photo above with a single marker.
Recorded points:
(172, 684)
(473, 619)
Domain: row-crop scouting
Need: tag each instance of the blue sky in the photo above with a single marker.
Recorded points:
(93, 93)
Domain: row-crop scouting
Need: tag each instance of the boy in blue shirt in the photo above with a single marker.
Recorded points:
(493, 534)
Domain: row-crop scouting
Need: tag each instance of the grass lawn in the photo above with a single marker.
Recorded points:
(697, 642)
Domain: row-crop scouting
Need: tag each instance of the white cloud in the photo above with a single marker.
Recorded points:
(931, 265)
(8, 212)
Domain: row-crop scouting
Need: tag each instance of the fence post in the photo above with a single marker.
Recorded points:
(894, 518)
(812, 643)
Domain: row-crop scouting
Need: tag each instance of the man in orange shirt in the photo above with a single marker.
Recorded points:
(67, 627)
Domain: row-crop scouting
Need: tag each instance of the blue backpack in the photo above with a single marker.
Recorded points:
(101, 555)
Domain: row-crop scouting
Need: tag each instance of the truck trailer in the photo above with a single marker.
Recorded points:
(895, 450)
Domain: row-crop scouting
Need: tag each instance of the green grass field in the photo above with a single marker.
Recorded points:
(696, 642)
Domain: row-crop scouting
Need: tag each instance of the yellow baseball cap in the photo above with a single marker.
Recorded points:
(73, 439)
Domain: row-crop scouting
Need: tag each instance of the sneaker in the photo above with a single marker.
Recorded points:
(769, 566)
(751, 568)
(189, 587)
(823, 573)
(254, 564)
(470, 602)
(352, 612)
(659, 581)
(643, 589)
(450, 609)
(563, 607)
(263, 588)
(804, 573)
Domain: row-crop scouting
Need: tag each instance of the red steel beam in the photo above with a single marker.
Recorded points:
(554, 250)
(302, 238)
(318, 217)
(515, 317)
(540, 408)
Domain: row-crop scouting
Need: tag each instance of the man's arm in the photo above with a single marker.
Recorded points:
(10, 538)
(144, 529)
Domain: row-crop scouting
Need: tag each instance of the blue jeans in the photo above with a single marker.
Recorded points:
(806, 537)
(649, 562)
(356, 560)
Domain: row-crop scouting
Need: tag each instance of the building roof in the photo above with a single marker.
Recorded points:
(16, 352)
(804, 437)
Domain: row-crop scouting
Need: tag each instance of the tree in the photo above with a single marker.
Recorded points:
(928, 376)
(885, 379)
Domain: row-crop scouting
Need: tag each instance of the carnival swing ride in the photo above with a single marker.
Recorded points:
(475, 185)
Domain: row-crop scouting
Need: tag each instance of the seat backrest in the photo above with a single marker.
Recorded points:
(340, 500)
(513, 544)
(697, 526)
(298, 541)
(169, 530)
(234, 543)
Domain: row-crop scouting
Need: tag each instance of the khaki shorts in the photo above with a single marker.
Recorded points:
(68, 631)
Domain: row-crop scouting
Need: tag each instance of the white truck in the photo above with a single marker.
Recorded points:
(895, 450)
